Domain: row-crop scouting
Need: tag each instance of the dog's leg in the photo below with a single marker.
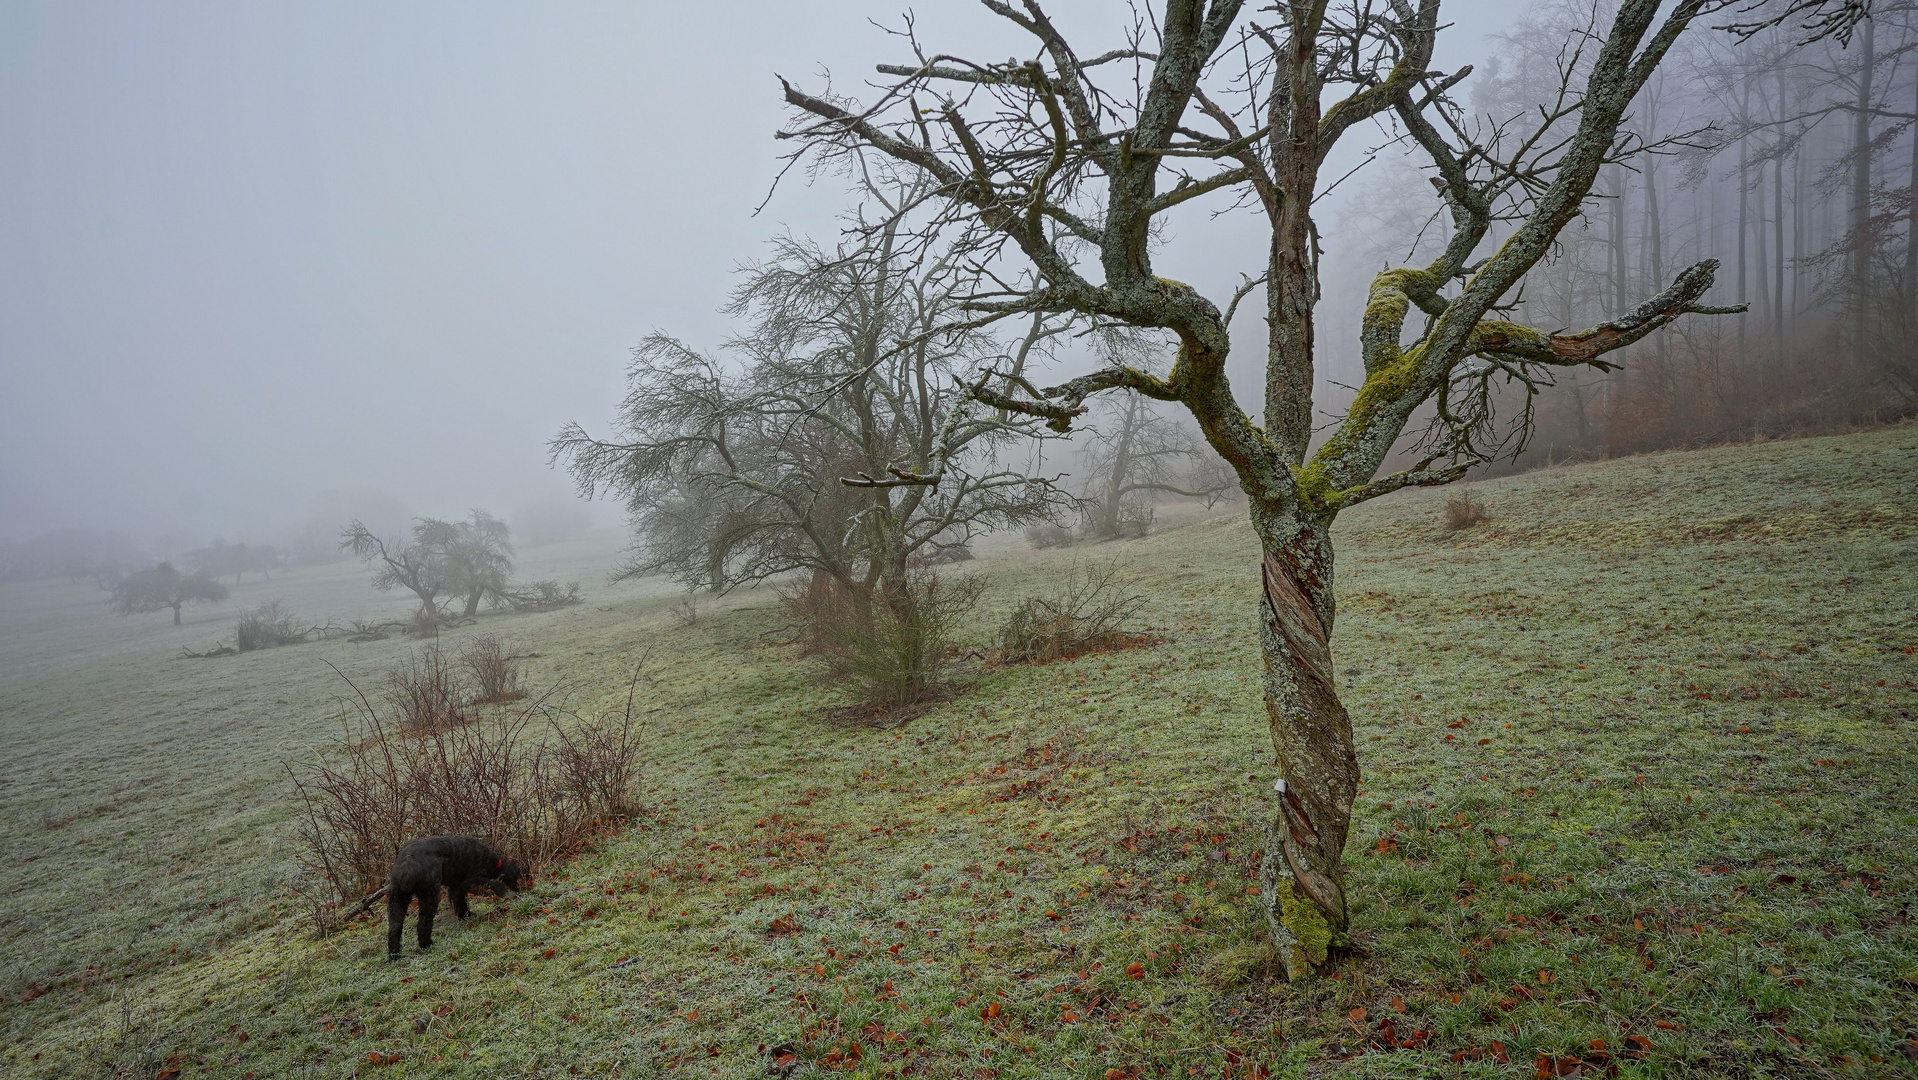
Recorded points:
(429, 906)
(457, 893)
(396, 903)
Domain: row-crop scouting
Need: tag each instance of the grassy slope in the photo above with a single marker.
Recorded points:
(1677, 803)
(146, 791)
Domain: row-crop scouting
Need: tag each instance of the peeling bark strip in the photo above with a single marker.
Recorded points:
(1296, 621)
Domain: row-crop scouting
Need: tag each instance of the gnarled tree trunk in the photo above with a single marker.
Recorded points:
(1302, 880)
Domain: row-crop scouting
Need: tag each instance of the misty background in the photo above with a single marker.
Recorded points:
(269, 267)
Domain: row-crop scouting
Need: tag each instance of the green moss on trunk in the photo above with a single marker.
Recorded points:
(1312, 934)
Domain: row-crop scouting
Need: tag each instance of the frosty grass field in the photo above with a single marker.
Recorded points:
(1640, 789)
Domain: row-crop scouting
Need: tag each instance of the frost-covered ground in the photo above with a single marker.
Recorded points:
(1640, 783)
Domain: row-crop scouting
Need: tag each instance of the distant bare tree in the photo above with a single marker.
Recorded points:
(844, 444)
(480, 560)
(76, 554)
(1057, 171)
(846, 447)
(163, 588)
(418, 564)
(1137, 454)
(464, 560)
(220, 558)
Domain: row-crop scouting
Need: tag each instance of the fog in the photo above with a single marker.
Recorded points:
(268, 261)
(268, 267)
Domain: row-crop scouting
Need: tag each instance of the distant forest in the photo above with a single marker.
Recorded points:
(1791, 163)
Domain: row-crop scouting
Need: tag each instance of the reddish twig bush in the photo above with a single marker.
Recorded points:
(523, 781)
(425, 693)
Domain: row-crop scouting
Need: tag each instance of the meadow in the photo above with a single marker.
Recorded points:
(1640, 793)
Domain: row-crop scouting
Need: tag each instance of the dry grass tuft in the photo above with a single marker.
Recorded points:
(1464, 510)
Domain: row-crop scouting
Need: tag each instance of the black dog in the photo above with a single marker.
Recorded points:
(458, 863)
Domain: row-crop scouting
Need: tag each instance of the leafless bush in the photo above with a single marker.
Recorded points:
(495, 673)
(539, 595)
(893, 647)
(943, 554)
(1132, 520)
(1464, 510)
(1047, 535)
(534, 782)
(598, 769)
(1089, 612)
(265, 626)
(685, 613)
(425, 692)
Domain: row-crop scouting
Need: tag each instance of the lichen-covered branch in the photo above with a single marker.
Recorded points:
(1400, 379)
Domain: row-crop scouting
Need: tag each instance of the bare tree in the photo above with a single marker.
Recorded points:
(76, 554)
(164, 587)
(220, 558)
(465, 560)
(418, 564)
(480, 561)
(843, 445)
(1051, 165)
(1138, 454)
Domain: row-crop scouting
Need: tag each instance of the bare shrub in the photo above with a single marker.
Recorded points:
(1089, 612)
(533, 782)
(597, 768)
(538, 596)
(891, 646)
(685, 613)
(1464, 510)
(1131, 520)
(425, 692)
(943, 554)
(1047, 535)
(494, 672)
(265, 626)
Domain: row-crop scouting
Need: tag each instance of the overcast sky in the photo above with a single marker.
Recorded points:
(252, 253)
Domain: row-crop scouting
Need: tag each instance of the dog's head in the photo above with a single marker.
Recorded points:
(509, 873)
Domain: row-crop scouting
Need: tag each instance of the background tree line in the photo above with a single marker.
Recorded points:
(1790, 160)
